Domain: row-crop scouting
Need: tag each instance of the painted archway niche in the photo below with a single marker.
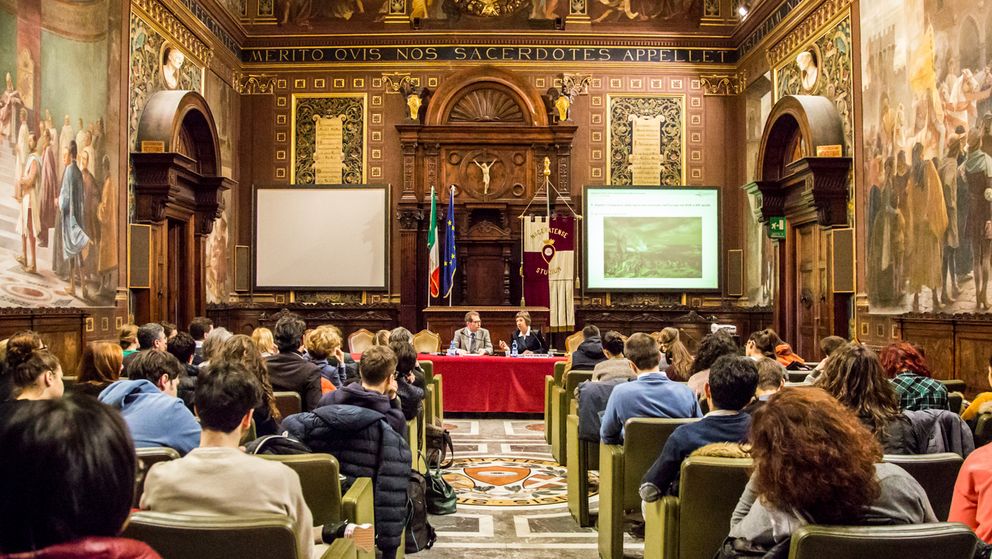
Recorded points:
(487, 131)
(804, 176)
(177, 194)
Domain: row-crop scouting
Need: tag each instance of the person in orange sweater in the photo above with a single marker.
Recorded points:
(972, 500)
(982, 403)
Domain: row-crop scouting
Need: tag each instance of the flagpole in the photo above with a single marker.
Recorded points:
(451, 291)
(429, 270)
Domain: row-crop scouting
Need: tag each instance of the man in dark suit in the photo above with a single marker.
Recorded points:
(473, 339)
(288, 370)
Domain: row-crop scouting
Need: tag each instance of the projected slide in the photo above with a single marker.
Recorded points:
(652, 238)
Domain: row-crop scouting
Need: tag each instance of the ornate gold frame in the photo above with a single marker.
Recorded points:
(683, 98)
(365, 129)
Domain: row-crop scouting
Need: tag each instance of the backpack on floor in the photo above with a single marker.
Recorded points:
(440, 450)
(420, 535)
(277, 444)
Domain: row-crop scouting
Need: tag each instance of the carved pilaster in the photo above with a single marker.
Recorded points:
(431, 159)
(723, 85)
(409, 172)
(564, 172)
(409, 218)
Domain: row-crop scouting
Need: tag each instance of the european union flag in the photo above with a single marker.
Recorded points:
(450, 254)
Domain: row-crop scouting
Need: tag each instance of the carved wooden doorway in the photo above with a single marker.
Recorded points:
(177, 191)
(487, 131)
(811, 192)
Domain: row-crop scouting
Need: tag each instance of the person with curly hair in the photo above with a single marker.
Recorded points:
(815, 463)
(19, 349)
(911, 377)
(242, 349)
(855, 378)
(713, 347)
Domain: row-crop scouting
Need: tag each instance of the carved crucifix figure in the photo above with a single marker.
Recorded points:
(485, 173)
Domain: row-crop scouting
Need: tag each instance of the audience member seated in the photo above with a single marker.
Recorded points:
(212, 344)
(199, 327)
(616, 365)
(19, 348)
(410, 396)
(801, 478)
(528, 340)
(731, 385)
(400, 334)
(288, 370)
(38, 378)
(151, 336)
(128, 338)
(712, 347)
(182, 347)
(981, 404)
(653, 394)
(910, 375)
(473, 339)
(149, 403)
(67, 479)
(99, 367)
(590, 351)
(377, 389)
(322, 343)
(263, 340)
(972, 500)
(211, 479)
(770, 345)
(170, 330)
(242, 349)
(366, 442)
(854, 377)
(676, 354)
(381, 337)
(828, 346)
(771, 379)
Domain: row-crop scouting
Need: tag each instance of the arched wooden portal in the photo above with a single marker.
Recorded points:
(177, 191)
(811, 192)
(493, 117)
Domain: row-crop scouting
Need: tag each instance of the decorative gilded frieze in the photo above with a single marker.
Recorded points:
(806, 31)
(723, 85)
(254, 84)
(160, 16)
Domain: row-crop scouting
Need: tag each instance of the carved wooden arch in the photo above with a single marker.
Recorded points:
(793, 180)
(182, 121)
(462, 85)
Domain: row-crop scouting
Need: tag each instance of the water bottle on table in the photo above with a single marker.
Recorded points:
(513, 349)
(453, 348)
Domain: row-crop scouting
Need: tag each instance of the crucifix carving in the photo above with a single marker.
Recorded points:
(485, 173)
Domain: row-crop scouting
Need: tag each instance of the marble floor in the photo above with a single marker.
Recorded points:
(512, 497)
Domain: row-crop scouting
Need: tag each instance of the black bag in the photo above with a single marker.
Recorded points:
(439, 447)
(276, 444)
(420, 535)
(741, 548)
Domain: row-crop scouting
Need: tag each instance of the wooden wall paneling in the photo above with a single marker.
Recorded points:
(63, 330)
(244, 317)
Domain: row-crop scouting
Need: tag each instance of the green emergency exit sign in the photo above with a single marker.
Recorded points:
(776, 227)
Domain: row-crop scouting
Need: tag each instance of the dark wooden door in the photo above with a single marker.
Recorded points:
(811, 300)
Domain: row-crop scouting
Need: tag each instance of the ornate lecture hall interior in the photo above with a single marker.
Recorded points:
(596, 279)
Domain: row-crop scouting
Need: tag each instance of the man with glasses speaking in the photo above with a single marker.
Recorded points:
(473, 339)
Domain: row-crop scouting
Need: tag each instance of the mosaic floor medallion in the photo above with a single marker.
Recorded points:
(496, 481)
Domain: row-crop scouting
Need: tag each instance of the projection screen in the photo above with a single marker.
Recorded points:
(652, 238)
(321, 237)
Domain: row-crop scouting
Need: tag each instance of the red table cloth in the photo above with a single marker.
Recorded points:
(493, 384)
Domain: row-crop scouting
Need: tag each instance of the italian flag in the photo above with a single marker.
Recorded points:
(432, 248)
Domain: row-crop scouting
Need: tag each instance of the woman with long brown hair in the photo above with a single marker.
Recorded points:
(99, 367)
(242, 349)
(855, 378)
(814, 462)
(910, 375)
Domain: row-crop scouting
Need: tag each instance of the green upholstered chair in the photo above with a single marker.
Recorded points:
(936, 473)
(983, 429)
(321, 482)
(693, 525)
(621, 468)
(583, 457)
(288, 403)
(919, 541)
(955, 402)
(550, 383)
(178, 536)
(563, 396)
(148, 457)
(797, 376)
(434, 396)
(954, 385)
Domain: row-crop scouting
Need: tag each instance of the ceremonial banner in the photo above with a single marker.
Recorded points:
(535, 262)
(560, 251)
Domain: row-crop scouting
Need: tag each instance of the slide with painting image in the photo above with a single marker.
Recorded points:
(652, 238)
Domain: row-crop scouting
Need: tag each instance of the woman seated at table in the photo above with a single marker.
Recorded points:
(528, 340)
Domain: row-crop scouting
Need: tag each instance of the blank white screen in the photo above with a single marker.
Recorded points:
(321, 238)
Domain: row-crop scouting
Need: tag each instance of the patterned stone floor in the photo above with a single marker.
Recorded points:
(512, 497)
